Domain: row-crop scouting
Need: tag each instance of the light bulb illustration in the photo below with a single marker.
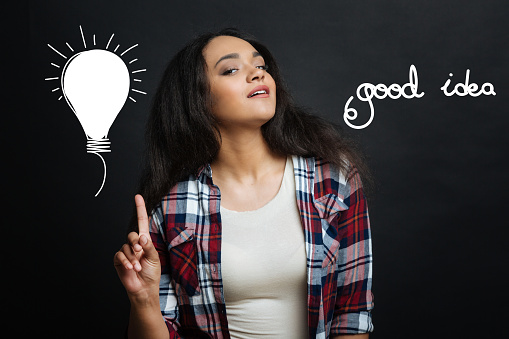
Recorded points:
(96, 84)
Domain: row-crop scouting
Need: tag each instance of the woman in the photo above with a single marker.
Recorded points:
(259, 224)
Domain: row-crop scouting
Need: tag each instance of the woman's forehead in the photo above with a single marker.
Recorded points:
(223, 45)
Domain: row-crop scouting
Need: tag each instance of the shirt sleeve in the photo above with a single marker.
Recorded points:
(354, 299)
(167, 298)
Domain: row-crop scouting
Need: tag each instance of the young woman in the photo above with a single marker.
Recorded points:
(258, 223)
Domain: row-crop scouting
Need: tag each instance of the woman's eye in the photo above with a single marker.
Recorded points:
(233, 70)
(230, 71)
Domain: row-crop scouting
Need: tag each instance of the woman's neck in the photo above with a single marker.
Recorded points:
(245, 157)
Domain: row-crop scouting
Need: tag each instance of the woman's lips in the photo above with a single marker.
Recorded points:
(261, 95)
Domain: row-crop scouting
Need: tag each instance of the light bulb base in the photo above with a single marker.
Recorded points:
(98, 145)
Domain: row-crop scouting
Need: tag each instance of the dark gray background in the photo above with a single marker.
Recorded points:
(437, 215)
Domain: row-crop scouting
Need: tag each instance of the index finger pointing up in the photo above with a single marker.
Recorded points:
(141, 210)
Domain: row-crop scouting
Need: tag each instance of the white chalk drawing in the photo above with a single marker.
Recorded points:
(393, 91)
(467, 88)
(396, 91)
(96, 83)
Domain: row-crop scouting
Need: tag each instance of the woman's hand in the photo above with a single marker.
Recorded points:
(137, 263)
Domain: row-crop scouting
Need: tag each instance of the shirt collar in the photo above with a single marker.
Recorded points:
(204, 172)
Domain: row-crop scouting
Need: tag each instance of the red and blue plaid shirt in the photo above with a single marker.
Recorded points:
(186, 231)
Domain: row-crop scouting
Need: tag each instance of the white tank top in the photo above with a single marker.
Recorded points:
(263, 266)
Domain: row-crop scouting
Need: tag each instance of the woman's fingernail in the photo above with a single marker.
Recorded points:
(137, 267)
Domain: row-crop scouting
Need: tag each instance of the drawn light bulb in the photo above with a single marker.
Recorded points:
(96, 84)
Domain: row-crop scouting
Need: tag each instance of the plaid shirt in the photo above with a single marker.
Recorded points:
(186, 231)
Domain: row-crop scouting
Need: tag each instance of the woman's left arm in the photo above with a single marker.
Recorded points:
(354, 300)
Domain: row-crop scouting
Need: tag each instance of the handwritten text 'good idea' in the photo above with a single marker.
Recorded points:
(366, 92)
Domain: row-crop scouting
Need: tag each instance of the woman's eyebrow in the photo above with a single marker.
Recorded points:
(235, 56)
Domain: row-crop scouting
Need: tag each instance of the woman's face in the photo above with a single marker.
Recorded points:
(236, 71)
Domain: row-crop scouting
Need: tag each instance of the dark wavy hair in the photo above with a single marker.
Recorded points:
(182, 134)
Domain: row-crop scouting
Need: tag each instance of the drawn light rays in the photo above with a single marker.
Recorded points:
(61, 54)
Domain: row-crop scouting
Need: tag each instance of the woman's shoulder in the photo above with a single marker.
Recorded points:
(186, 191)
(191, 185)
(322, 170)
(326, 178)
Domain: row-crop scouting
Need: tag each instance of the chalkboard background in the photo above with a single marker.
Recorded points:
(437, 214)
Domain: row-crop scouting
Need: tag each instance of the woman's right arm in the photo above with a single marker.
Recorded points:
(139, 269)
(145, 320)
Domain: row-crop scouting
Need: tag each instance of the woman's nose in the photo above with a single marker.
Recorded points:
(256, 74)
